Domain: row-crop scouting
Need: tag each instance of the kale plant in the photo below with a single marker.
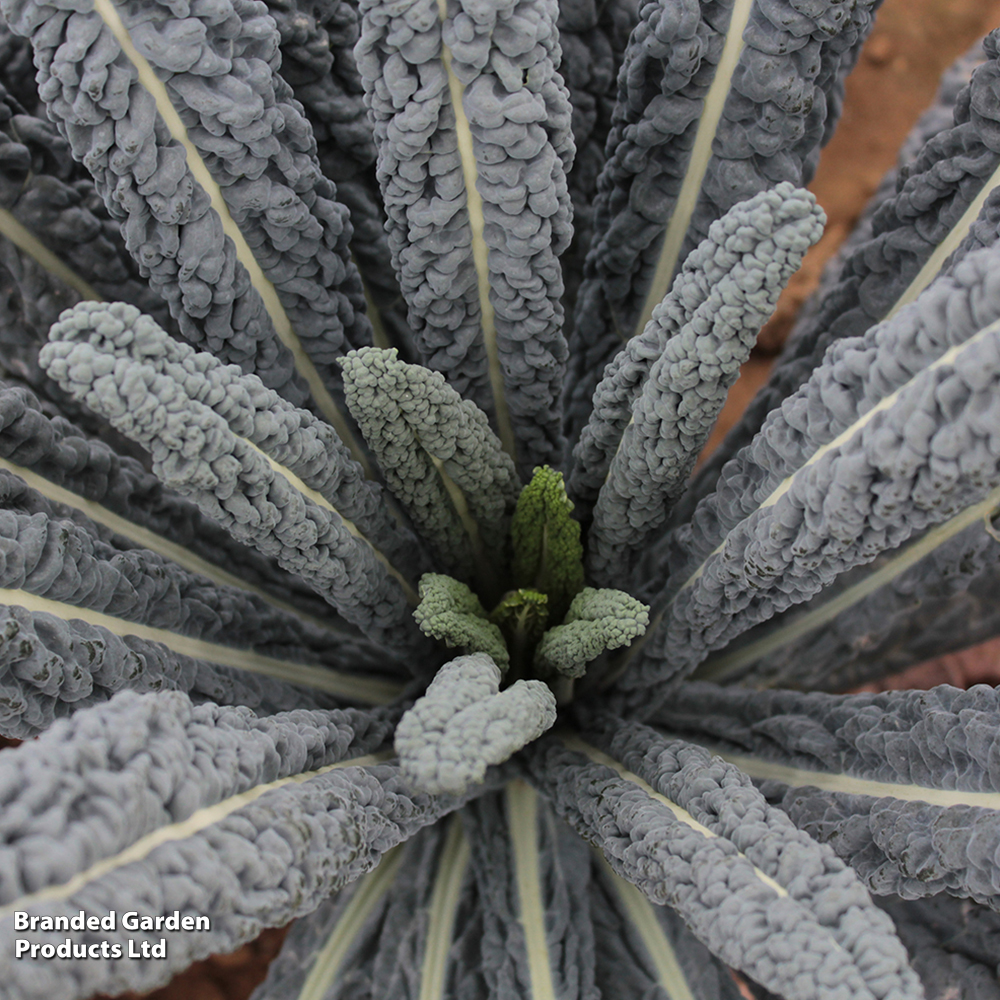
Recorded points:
(355, 570)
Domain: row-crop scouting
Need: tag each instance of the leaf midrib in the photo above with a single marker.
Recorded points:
(480, 251)
(263, 285)
(199, 820)
(319, 678)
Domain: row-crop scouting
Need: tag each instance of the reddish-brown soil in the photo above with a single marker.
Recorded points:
(221, 977)
(895, 80)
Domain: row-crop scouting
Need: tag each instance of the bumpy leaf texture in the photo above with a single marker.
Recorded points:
(716, 102)
(352, 322)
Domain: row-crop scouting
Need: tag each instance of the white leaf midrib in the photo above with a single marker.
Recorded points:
(198, 821)
(573, 742)
(522, 822)
(800, 777)
(445, 897)
(480, 558)
(318, 678)
(147, 538)
(263, 285)
(847, 434)
(659, 949)
(480, 251)
(946, 247)
(369, 891)
(783, 487)
(924, 278)
(25, 240)
(697, 165)
(719, 668)
(321, 501)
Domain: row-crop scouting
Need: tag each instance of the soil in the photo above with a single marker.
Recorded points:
(896, 78)
(894, 82)
(221, 977)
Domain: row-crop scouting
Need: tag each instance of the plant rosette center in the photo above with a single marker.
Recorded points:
(522, 657)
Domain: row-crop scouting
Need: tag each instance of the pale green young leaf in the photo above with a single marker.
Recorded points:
(451, 613)
(548, 554)
(597, 620)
